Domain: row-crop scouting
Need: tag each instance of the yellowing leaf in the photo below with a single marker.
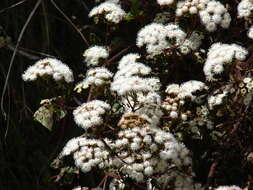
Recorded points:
(44, 115)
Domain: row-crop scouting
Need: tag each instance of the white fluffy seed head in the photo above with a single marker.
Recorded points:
(250, 32)
(94, 54)
(111, 11)
(245, 9)
(157, 37)
(213, 15)
(89, 114)
(49, 67)
(220, 54)
(165, 2)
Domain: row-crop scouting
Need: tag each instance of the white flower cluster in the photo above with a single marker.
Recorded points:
(233, 187)
(220, 54)
(214, 14)
(94, 54)
(127, 59)
(158, 37)
(190, 87)
(71, 146)
(155, 37)
(245, 8)
(132, 84)
(146, 152)
(190, 6)
(186, 89)
(132, 69)
(87, 153)
(97, 76)
(49, 67)
(141, 152)
(91, 154)
(178, 95)
(165, 2)
(137, 93)
(89, 114)
(172, 103)
(250, 32)
(128, 78)
(111, 11)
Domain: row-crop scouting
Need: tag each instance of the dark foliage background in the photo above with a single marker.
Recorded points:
(26, 148)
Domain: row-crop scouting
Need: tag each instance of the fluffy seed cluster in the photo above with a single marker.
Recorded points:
(49, 67)
(138, 94)
(186, 89)
(94, 54)
(245, 8)
(127, 59)
(158, 37)
(129, 76)
(87, 153)
(155, 37)
(192, 89)
(98, 76)
(71, 146)
(190, 7)
(179, 95)
(250, 32)
(111, 10)
(233, 187)
(141, 152)
(214, 14)
(220, 54)
(165, 2)
(133, 69)
(148, 151)
(132, 84)
(90, 114)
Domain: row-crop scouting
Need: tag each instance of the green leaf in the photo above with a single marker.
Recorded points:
(44, 115)
(129, 17)
(60, 114)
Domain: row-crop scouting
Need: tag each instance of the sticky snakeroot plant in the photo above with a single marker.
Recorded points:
(135, 109)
